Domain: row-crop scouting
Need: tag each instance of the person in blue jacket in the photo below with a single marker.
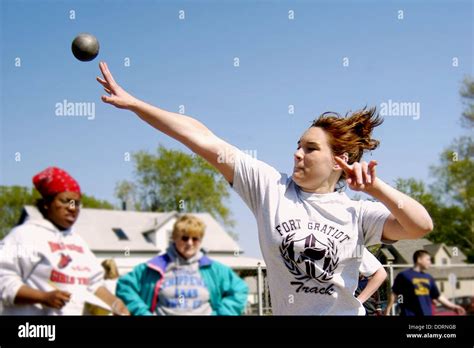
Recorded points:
(183, 281)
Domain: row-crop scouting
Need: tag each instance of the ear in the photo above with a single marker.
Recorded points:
(345, 157)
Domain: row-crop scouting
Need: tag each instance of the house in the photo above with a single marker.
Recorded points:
(131, 237)
(446, 260)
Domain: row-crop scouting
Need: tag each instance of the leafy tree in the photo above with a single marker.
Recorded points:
(450, 199)
(172, 180)
(94, 203)
(451, 222)
(467, 93)
(12, 201)
(126, 191)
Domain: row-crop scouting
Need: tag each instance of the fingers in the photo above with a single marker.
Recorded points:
(372, 165)
(65, 295)
(59, 299)
(357, 169)
(106, 99)
(365, 173)
(362, 176)
(344, 166)
(104, 84)
(102, 81)
(102, 69)
(106, 72)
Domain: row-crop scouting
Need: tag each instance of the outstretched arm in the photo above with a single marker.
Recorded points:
(187, 130)
(408, 218)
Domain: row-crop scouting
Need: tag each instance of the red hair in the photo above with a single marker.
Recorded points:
(351, 134)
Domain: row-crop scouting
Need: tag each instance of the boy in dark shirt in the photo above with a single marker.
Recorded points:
(418, 289)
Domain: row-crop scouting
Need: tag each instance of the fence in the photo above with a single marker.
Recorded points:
(263, 299)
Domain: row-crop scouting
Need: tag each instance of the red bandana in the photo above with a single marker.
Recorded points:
(53, 180)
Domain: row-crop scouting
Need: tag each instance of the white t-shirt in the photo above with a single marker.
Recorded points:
(312, 243)
(369, 264)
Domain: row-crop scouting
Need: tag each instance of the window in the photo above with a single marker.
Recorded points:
(120, 234)
(444, 261)
(148, 237)
(458, 285)
(441, 288)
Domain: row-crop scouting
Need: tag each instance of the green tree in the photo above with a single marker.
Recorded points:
(14, 198)
(94, 203)
(450, 199)
(451, 224)
(455, 187)
(12, 201)
(467, 94)
(172, 180)
(125, 191)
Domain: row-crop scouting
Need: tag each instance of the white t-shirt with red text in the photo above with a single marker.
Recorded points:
(42, 257)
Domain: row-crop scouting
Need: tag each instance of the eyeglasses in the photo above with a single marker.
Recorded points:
(186, 238)
(70, 203)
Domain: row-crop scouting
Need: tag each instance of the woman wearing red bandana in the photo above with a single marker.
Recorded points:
(46, 268)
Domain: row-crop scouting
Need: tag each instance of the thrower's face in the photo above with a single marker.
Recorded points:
(315, 169)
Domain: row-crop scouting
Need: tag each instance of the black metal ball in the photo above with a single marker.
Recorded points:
(85, 47)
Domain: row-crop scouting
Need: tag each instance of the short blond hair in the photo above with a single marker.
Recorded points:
(188, 225)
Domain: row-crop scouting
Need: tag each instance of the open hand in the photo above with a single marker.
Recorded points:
(118, 96)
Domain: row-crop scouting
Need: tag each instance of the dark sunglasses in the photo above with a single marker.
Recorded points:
(186, 238)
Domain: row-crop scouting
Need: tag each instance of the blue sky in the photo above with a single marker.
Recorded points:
(190, 62)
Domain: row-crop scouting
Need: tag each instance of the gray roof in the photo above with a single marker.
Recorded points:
(403, 250)
(95, 226)
(433, 248)
(459, 257)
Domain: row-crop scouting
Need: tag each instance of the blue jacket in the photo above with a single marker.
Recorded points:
(139, 289)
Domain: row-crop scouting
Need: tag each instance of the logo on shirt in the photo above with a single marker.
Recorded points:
(309, 258)
(422, 286)
(64, 261)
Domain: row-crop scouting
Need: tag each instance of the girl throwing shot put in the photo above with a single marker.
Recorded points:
(311, 234)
